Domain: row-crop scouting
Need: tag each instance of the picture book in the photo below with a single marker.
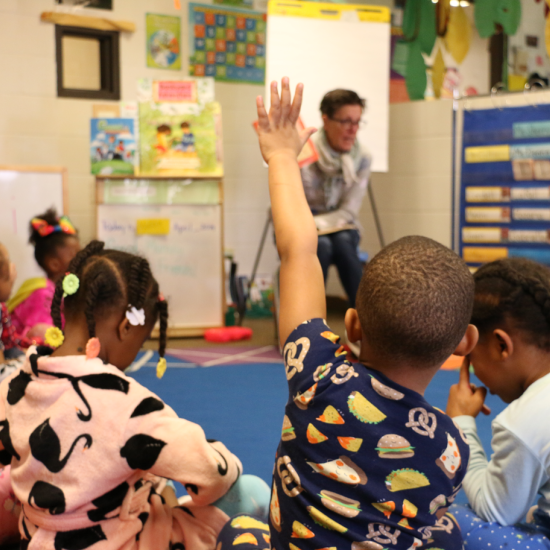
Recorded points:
(180, 130)
(112, 146)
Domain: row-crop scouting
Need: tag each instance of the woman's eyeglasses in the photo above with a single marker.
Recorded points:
(347, 123)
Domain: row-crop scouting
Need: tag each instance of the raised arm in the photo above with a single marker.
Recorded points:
(302, 289)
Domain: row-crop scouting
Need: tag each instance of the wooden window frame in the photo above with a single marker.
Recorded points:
(109, 63)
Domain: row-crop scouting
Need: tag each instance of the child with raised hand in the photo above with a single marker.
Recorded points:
(364, 461)
(55, 243)
(512, 358)
(78, 399)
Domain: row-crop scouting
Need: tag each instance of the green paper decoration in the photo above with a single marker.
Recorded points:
(427, 31)
(410, 19)
(509, 15)
(488, 13)
(416, 79)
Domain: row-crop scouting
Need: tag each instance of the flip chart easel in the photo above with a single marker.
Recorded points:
(328, 46)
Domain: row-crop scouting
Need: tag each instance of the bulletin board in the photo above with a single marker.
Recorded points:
(177, 225)
(26, 191)
(502, 179)
(328, 46)
(227, 43)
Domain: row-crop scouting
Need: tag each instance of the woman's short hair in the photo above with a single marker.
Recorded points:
(338, 98)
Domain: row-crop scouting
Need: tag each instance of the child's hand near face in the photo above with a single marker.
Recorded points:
(277, 130)
(465, 399)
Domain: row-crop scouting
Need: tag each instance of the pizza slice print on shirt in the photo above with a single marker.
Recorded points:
(302, 400)
(343, 470)
(450, 460)
(275, 510)
(363, 409)
(331, 416)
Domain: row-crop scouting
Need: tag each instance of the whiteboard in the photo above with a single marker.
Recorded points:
(187, 262)
(24, 193)
(326, 54)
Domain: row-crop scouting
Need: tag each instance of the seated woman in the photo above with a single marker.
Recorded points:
(335, 186)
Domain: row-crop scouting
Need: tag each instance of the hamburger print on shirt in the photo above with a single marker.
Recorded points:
(363, 463)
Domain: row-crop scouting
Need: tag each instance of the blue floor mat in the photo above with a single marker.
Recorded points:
(243, 406)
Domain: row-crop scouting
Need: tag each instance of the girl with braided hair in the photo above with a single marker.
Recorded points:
(55, 241)
(512, 358)
(76, 398)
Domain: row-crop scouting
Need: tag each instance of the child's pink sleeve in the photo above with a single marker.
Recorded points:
(177, 449)
(35, 309)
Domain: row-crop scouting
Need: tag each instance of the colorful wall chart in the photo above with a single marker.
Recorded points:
(504, 196)
(227, 43)
(163, 34)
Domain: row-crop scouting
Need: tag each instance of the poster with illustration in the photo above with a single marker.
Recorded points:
(112, 146)
(180, 128)
(227, 43)
(163, 39)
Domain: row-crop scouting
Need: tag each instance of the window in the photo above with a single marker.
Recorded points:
(87, 63)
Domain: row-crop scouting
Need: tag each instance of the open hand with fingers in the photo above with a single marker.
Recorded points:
(277, 130)
(466, 398)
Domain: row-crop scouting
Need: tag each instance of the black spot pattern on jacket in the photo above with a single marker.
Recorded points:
(108, 502)
(8, 452)
(17, 387)
(147, 406)
(79, 539)
(143, 517)
(103, 381)
(48, 496)
(191, 488)
(46, 448)
(141, 451)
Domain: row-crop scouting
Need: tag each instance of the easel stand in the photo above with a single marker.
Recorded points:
(269, 220)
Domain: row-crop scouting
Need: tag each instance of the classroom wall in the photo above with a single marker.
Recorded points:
(37, 128)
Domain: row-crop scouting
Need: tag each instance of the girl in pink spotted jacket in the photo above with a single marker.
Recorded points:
(89, 447)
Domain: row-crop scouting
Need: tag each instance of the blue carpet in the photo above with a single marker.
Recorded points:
(242, 406)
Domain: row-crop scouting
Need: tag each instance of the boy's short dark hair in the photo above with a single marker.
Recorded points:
(332, 101)
(415, 301)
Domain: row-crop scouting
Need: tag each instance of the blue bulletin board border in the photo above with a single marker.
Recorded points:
(502, 204)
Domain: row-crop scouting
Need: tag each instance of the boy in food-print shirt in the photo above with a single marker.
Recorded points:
(364, 461)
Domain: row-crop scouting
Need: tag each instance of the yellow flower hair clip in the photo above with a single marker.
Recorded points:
(161, 367)
(54, 337)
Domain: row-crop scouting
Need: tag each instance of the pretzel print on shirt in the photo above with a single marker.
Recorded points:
(295, 364)
(425, 424)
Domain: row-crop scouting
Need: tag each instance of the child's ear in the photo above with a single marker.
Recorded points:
(124, 329)
(468, 342)
(504, 342)
(353, 325)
